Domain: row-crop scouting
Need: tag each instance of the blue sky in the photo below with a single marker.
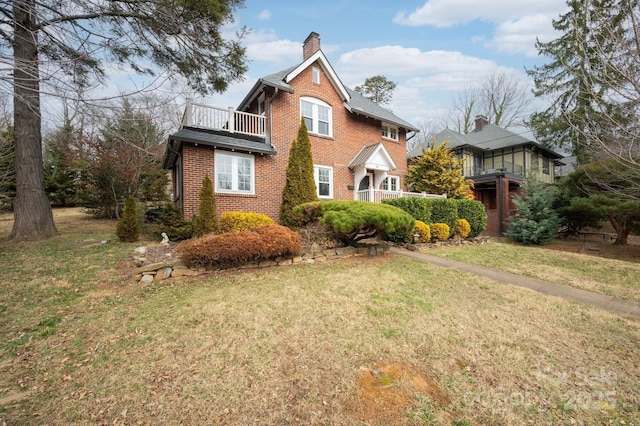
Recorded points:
(432, 49)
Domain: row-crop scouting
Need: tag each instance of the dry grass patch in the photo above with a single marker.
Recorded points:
(294, 345)
(616, 277)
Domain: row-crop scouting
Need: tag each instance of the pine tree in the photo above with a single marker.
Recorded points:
(438, 171)
(300, 186)
(207, 219)
(535, 221)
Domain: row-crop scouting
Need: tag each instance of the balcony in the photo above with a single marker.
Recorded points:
(376, 195)
(208, 117)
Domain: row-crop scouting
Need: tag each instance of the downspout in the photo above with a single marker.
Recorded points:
(275, 93)
(170, 147)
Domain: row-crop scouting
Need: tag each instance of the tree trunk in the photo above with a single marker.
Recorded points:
(622, 228)
(31, 208)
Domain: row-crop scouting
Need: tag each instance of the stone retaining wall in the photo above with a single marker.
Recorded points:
(174, 268)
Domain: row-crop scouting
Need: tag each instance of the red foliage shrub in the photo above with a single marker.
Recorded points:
(224, 250)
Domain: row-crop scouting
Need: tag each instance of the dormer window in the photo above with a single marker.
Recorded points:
(315, 75)
(389, 132)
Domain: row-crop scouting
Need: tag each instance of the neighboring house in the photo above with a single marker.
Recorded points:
(358, 147)
(497, 161)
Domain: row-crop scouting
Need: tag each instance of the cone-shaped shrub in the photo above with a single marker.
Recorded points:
(207, 219)
(300, 186)
(128, 227)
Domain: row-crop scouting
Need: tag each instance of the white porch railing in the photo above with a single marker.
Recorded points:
(376, 195)
(226, 119)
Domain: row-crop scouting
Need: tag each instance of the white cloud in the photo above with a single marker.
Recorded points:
(264, 15)
(448, 13)
(516, 24)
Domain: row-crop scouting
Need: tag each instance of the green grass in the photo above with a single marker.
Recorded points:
(81, 343)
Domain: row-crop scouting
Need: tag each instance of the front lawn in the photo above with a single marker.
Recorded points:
(358, 341)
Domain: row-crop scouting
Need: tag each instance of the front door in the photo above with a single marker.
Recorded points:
(365, 183)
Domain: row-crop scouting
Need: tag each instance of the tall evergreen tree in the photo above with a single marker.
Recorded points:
(378, 89)
(585, 75)
(438, 171)
(59, 46)
(300, 186)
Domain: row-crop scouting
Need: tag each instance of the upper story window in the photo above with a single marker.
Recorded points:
(315, 75)
(234, 172)
(317, 116)
(391, 183)
(545, 165)
(261, 105)
(323, 176)
(389, 132)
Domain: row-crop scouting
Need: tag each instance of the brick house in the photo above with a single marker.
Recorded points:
(497, 160)
(358, 148)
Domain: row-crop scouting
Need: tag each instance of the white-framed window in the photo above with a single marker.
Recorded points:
(323, 176)
(315, 75)
(391, 183)
(261, 104)
(234, 172)
(317, 116)
(389, 132)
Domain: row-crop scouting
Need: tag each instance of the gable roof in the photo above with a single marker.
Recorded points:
(490, 138)
(353, 101)
(374, 157)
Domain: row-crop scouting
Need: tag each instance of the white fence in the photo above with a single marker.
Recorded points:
(376, 195)
(226, 119)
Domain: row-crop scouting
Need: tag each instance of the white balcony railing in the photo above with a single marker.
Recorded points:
(376, 195)
(226, 119)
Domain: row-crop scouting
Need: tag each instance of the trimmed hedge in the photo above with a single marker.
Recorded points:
(419, 208)
(242, 221)
(235, 248)
(352, 221)
(474, 212)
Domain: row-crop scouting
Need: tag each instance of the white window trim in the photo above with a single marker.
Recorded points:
(316, 168)
(234, 173)
(390, 178)
(387, 128)
(314, 119)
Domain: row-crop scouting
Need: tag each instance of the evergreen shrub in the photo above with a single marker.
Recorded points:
(206, 222)
(242, 221)
(171, 222)
(473, 211)
(423, 230)
(439, 232)
(235, 248)
(128, 228)
(463, 229)
(444, 210)
(352, 221)
(419, 208)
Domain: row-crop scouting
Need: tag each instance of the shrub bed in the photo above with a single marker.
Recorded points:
(235, 248)
(242, 221)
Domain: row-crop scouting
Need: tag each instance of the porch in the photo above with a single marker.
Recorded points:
(377, 195)
(208, 117)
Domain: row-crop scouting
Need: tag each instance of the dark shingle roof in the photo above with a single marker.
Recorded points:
(490, 138)
(216, 139)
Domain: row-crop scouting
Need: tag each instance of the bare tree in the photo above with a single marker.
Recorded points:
(502, 98)
(52, 46)
(428, 128)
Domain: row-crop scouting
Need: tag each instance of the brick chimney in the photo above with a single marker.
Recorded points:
(481, 121)
(311, 45)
